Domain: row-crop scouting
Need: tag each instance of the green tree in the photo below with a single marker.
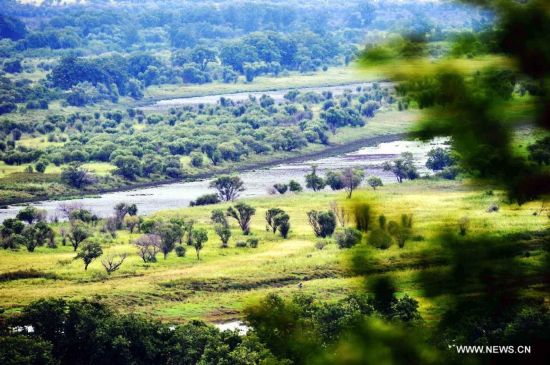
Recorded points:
(170, 234)
(78, 233)
(270, 215)
(228, 187)
(242, 213)
(351, 179)
(374, 182)
(89, 252)
(77, 177)
(200, 237)
(402, 167)
(323, 223)
(314, 181)
(30, 214)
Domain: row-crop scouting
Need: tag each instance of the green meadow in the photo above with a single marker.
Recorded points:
(219, 285)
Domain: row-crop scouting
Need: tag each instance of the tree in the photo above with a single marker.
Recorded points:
(314, 181)
(131, 222)
(113, 262)
(169, 234)
(294, 186)
(539, 151)
(402, 167)
(374, 182)
(148, 246)
(282, 222)
(221, 226)
(77, 177)
(202, 56)
(438, 159)
(281, 188)
(196, 159)
(270, 215)
(30, 214)
(127, 166)
(200, 237)
(228, 187)
(78, 233)
(351, 179)
(89, 252)
(323, 223)
(335, 180)
(243, 213)
(41, 166)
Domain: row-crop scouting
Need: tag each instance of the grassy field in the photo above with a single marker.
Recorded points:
(225, 280)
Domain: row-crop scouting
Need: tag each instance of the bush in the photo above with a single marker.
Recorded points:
(180, 251)
(379, 238)
(320, 245)
(206, 199)
(241, 244)
(252, 242)
(323, 223)
(294, 186)
(449, 173)
(281, 188)
(362, 215)
(347, 237)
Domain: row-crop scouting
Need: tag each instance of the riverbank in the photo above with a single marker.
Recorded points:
(331, 150)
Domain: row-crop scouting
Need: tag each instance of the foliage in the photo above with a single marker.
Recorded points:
(347, 237)
(314, 181)
(374, 182)
(402, 167)
(323, 223)
(89, 251)
(242, 213)
(228, 187)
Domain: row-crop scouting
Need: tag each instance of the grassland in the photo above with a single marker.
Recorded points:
(225, 280)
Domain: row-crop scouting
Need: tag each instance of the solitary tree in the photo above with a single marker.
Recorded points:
(314, 181)
(113, 262)
(228, 187)
(270, 218)
(200, 237)
(89, 252)
(374, 182)
(335, 180)
(221, 226)
(323, 223)
(148, 246)
(77, 177)
(78, 233)
(402, 167)
(169, 234)
(438, 159)
(351, 179)
(30, 214)
(282, 222)
(243, 213)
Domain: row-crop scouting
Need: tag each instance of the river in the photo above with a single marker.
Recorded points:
(257, 182)
(277, 95)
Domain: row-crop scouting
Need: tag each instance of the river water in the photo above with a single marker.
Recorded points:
(277, 95)
(257, 182)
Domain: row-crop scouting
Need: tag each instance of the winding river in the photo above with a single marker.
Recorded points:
(257, 182)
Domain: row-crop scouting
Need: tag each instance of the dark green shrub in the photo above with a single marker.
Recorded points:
(347, 237)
